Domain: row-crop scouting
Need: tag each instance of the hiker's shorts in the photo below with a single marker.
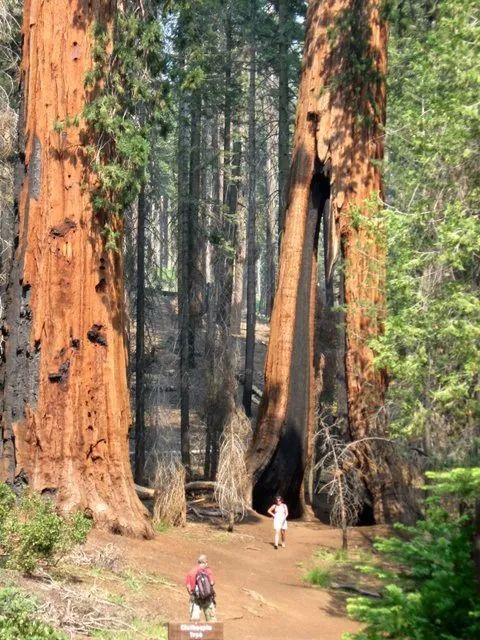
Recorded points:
(207, 607)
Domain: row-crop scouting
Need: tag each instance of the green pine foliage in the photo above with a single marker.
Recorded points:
(432, 341)
(430, 591)
(33, 532)
(130, 102)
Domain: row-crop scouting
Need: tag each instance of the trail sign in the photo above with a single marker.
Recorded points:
(195, 631)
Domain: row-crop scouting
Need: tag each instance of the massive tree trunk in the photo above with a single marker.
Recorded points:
(337, 149)
(66, 410)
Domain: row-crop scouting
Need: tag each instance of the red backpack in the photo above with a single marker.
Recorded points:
(203, 587)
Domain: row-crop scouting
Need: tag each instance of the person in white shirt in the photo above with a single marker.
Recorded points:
(279, 512)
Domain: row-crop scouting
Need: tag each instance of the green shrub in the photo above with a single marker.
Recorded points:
(17, 619)
(431, 593)
(33, 531)
(7, 502)
(318, 577)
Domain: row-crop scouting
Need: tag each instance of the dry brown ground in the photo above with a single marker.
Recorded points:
(260, 592)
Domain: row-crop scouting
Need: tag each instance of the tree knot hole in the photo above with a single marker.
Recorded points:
(96, 335)
(101, 286)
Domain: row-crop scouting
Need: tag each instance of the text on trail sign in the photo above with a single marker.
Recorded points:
(195, 631)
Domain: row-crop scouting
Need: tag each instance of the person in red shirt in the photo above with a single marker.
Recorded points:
(201, 591)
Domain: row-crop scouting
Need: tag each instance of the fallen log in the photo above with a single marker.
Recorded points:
(355, 589)
(200, 485)
(205, 512)
(144, 493)
(147, 493)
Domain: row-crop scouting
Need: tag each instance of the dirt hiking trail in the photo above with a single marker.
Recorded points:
(260, 592)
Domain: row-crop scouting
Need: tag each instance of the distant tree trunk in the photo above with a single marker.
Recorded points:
(227, 113)
(140, 343)
(183, 261)
(203, 210)
(196, 284)
(220, 401)
(251, 239)
(66, 410)
(283, 109)
(210, 338)
(164, 240)
(338, 145)
(239, 266)
(230, 224)
(270, 245)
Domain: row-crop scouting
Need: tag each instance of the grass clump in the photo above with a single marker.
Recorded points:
(17, 618)
(140, 630)
(318, 577)
(161, 526)
(33, 532)
(331, 556)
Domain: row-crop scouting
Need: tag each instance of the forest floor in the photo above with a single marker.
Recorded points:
(129, 589)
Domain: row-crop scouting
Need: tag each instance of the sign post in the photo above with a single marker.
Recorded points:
(195, 631)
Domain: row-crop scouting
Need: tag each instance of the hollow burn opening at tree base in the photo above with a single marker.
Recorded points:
(284, 473)
(321, 509)
(275, 479)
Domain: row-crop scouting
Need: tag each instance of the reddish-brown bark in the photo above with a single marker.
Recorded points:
(66, 412)
(337, 147)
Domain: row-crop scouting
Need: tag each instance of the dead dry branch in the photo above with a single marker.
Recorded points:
(169, 503)
(108, 557)
(344, 485)
(232, 476)
(80, 612)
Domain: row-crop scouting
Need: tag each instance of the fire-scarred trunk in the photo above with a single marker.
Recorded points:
(338, 147)
(66, 412)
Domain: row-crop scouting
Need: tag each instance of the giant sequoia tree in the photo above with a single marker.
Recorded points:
(335, 170)
(66, 408)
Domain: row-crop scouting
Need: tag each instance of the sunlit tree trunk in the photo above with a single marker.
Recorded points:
(337, 150)
(66, 412)
(251, 223)
(238, 294)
